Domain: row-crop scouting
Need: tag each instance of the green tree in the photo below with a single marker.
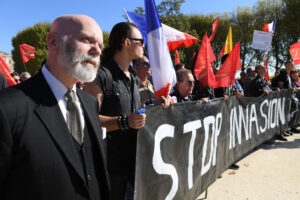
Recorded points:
(140, 11)
(169, 7)
(34, 36)
(105, 38)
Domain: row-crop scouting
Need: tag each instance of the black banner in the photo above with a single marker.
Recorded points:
(295, 109)
(184, 148)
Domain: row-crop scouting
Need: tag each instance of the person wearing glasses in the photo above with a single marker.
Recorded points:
(184, 86)
(117, 90)
(16, 77)
(146, 89)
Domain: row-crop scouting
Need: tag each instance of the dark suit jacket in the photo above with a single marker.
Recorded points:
(37, 161)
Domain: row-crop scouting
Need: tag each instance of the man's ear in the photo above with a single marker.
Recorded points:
(52, 41)
(126, 42)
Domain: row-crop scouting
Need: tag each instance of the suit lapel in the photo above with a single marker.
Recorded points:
(90, 115)
(52, 118)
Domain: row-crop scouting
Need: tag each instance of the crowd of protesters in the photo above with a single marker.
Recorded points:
(121, 90)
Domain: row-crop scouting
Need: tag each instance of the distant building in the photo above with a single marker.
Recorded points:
(8, 59)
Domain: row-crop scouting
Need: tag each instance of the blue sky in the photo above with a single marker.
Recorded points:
(18, 15)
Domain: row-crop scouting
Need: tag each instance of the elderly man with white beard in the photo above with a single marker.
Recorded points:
(51, 143)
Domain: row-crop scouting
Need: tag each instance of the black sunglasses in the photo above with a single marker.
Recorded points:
(189, 83)
(144, 63)
(136, 39)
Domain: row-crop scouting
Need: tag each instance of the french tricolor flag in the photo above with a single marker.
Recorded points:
(175, 38)
(270, 27)
(163, 73)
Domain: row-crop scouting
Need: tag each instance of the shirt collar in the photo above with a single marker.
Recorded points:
(117, 69)
(57, 87)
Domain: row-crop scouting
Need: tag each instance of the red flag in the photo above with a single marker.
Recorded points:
(266, 66)
(226, 75)
(295, 53)
(222, 51)
(5, 70)
(214, 30)
(26, 52)
(203, 68)
(177, 59)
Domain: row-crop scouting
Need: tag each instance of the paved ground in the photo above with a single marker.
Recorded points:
(271, 172)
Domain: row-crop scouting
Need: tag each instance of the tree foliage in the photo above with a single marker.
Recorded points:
(169, 7)
(105, 38)
(34, 36)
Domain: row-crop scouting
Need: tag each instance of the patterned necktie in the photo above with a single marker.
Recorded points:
(74, 121)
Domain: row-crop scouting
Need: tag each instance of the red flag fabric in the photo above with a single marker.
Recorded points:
(226, 75)
(5, 70)
(177, 39)
(203, 68)
(222, 51)
(266, 66)
(295, 53)
(26, 52)
(214, 29)
(177, 59)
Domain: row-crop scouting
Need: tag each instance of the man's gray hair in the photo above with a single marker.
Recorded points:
(181, 73)
(23, 74)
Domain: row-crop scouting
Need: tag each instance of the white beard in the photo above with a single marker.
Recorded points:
(75, 64)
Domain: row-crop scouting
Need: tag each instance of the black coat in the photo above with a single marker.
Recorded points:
(37, 161)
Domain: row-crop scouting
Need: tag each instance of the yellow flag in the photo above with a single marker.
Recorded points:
(228, 43)
(227, 48)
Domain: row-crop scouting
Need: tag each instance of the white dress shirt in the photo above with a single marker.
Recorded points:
(59, 90)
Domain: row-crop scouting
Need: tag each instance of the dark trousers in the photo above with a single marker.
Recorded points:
(118, 183)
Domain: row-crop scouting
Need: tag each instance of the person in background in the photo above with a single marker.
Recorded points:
(184, 86)
(179, 66)
(16, 77)
(259, 85)
(296, 87)
(284, 79)
(3, 83)
(251, 74)
(146, 89)
(24, 76)
(295, 79)
(117, 90)
(243, 76)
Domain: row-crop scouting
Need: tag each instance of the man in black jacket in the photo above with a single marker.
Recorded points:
(44, 154)
(117, 89)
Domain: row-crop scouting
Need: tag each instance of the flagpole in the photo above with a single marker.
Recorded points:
(25, 67)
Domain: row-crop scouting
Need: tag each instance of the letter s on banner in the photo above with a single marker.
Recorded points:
(163, 131)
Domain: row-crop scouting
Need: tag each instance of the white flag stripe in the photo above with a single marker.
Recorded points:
(172, 34)
(163, 72)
